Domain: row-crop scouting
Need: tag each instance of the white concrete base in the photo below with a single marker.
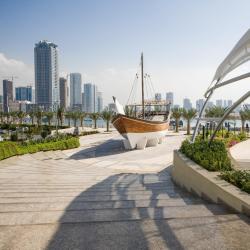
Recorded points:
(153, 138)
(141, 144)
(126, 144)
(152, 142)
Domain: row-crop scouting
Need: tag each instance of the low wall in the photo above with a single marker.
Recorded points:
(205, 184)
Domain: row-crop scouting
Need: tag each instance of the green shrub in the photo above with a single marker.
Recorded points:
(239, 178)
(44, 134)
(14, 137)
(89, 132)
(212, 157)
(8, 149)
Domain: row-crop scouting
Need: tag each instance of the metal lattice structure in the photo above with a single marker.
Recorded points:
(239, 55)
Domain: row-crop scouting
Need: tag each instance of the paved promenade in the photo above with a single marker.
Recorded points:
(241, 154)
(103, 197)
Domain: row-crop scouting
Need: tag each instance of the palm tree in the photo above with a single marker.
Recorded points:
(82, 115)
(107, 116)
(60, 115)
(244, 115)
(68, 116)
(49, 116)
(21, 115)
(189, 115)
(176, 114)
(7, 115)
(39, 116)
(94, 117)
(75, 117)
(215, 112)
(1, 116)
(13, 116)
(32, 116)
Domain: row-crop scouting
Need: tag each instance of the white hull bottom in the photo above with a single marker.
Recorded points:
(142, 140)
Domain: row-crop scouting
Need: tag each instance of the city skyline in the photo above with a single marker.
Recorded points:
(113, 65)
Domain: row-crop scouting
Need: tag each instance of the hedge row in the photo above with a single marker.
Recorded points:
(239, 178)
(8, 149)
(212, 157)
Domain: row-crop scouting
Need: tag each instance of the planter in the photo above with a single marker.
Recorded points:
(205, 184)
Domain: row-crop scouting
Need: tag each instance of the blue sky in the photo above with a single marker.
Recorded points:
(183, 41)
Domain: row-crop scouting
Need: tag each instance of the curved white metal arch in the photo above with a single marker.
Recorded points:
(238, 56)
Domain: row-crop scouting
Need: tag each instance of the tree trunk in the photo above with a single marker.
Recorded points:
(243, 125)
(81, 122)
(69, 122)
(107, 125)
(75, 122)
(95, 123)
(188, 127)
(176, 125)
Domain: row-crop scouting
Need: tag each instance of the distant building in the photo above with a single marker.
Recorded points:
(1, 103)
(187, 104)
(170, 98)
(225, 104)
(63, 92)
(33, 96)
(7, 94)
(210, 104)
(75, 90)
(99, 102)
(111, 107)
(46, 75)
(219, 103)
(199, 104)
(90, 98)
(229, 103)
(176, 106)
(24, 93)
(14, 106)
(158, 97)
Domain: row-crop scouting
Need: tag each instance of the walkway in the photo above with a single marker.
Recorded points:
(102, 197)
(241, 154)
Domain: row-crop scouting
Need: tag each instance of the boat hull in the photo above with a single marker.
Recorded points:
(138, 132)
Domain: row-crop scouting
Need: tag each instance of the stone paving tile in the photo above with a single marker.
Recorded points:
(100, 196)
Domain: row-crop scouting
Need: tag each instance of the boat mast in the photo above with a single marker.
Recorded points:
(142, 87)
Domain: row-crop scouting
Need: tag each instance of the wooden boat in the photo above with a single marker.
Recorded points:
(139, 133)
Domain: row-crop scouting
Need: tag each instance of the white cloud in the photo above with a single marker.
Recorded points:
(12, 67)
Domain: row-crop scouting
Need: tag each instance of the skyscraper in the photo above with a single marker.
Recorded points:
(75, 90)
(229, 103)
(199, 104)
(7, 94)
(219, 103)
(158, 97)
(63, 92)
(90, 98)
(24, 93)
(187, 104)
(46, 75)
(170, 98)
(99, 102)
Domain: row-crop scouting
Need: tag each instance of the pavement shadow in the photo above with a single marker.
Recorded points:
(121, 225)
(124, 212)
(110, 147)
